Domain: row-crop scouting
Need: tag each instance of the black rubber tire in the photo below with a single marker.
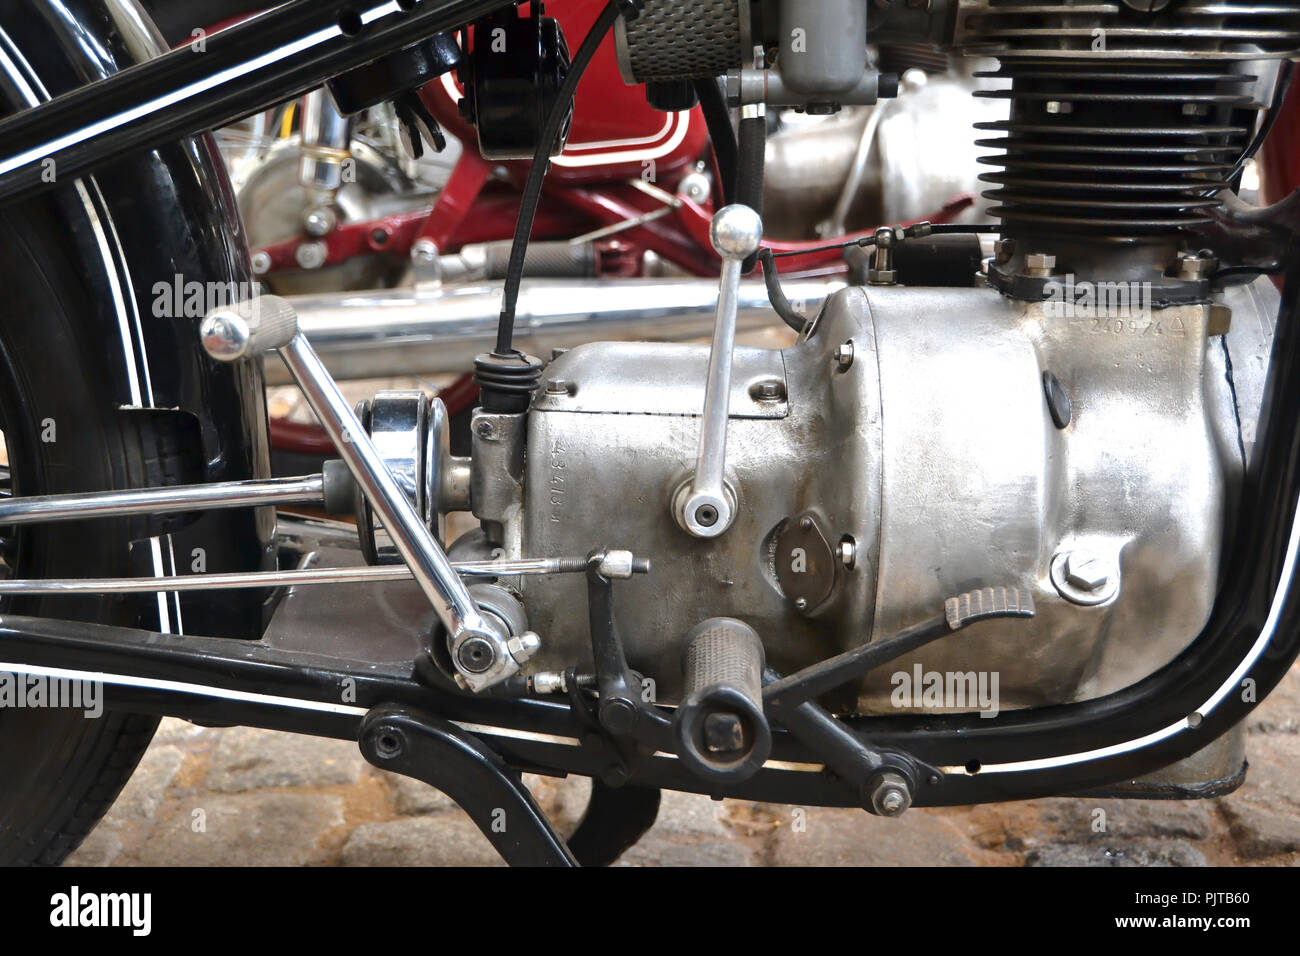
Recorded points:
(60, 770)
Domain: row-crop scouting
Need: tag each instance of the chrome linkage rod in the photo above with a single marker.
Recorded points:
(618, 564)
(243, 332)
(308, 489)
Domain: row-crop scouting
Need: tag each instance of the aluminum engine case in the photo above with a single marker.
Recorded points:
(935, 451)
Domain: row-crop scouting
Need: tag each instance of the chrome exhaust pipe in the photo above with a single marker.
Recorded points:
(383, 333)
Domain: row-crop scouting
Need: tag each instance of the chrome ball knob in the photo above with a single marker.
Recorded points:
(736, 232)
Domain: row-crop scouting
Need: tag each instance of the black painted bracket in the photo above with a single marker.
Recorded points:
(407, 741)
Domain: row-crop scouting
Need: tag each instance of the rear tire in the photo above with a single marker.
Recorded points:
(59, 770)
(99, 390)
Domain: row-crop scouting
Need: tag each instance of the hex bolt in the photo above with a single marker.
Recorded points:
(557, 386)
(484, 429)
(768, 391)
(1195, 265)
(844, 356)
(1086, 571)
(891, 795)
(1040, 264)
(848, 552)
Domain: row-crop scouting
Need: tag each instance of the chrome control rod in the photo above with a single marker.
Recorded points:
(244, 331)
(704, 506)
(309, 489)
(359, 575)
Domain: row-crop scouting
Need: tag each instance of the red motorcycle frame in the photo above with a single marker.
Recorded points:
(616, 139)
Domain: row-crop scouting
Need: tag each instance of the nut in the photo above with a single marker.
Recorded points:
(891, 796)
(524, 646)
(1040, 264)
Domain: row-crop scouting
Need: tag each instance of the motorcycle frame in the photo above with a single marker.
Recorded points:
(1250, 640)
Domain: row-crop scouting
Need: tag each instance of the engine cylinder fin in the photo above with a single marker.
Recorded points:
(1062, 30)
(1078, 146)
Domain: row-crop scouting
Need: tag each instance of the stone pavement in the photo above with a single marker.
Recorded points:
(238, 796)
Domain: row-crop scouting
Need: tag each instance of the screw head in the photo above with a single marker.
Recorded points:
(423, 251)
(475, 655)
(736, 232)
(801, 604)
(618, 716)
(484, 429)
(319, 221)
(707, 515)
(261, 262)
(1086, 570)
(311, 255)
(225, 334)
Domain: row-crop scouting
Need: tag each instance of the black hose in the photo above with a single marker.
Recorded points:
(532, 193)
(718, 119)
(776, 295)
(752, 154)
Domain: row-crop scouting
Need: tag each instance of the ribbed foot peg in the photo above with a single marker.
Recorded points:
(722, 734)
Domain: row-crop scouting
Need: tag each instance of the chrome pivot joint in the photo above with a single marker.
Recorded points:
(246, 330)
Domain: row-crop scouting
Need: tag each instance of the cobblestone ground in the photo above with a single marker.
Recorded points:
(237, 796)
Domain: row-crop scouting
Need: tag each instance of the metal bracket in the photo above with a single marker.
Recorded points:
(419, 745)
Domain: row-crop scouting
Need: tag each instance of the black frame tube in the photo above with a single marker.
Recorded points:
(244, 69)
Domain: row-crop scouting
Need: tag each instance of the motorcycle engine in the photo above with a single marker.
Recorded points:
(1074, 423)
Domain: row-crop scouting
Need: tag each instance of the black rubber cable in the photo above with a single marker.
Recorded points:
(532, 193)
(718, 119)
(776, 295)
(939, 229)
(1283, 82)
(750, 159)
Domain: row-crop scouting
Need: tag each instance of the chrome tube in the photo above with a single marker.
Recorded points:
(384, 333)
(309, 489)
(425, 557)
(265, 579)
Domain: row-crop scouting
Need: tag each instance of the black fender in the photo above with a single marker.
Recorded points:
(146, 228)
(177, 19)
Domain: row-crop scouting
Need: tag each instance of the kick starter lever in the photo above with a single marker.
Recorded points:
(267, 322)
(704, 506)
